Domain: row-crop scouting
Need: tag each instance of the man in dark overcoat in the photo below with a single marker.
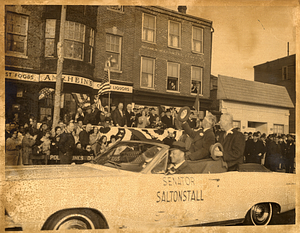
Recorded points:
(233, 143)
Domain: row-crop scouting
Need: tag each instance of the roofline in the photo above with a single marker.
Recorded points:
(181, 15)
(275, 60)
(254, 103)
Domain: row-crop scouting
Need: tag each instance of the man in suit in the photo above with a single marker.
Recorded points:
(66, 145)
(233, 143)
(130, 116)
(254, 150)
(201, 139)
(179, 164)
(168, 119)
(84, 136)
(119, 117)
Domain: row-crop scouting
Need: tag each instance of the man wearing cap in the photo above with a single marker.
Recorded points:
(233, 143)
(201, 139)
(254, 150)
(179, 164)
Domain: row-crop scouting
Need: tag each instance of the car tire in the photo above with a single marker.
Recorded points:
(259, 214)
(75, 219)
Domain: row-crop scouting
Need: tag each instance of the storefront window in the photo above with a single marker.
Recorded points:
(74, 40)
(16, 33)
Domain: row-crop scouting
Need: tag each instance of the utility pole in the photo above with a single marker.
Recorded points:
(60, 62)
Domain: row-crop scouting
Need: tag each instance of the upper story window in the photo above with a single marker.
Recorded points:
(116, 8)
(196, 80)
(147, 72)
(173, 76)
(91, 45)
(16, 34)
(197, 40)
(149, 28)
(50, 38)
(285, 73)
(113, 48)
(74, 40)
(174, 38)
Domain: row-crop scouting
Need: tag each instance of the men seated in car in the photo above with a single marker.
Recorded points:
(202, 138)
(233, 143)
(179, 165)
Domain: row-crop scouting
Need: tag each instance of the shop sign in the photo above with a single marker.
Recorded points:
(22, 76)
(121, 88)
(67, 79)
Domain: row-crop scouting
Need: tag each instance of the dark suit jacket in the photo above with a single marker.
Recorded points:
(233, 148)
(128, 118)
(118, 119)
(200, 147)
(184, 169)
(168, 121)
(66, 143)
(84, 138)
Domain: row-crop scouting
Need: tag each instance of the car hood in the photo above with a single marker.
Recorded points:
(61, 171)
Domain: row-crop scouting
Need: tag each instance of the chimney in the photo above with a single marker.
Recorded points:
(182, 9)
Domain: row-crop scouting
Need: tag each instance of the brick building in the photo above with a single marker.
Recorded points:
(160, 52)
(159, 56)
(31, 37)
(281, 72)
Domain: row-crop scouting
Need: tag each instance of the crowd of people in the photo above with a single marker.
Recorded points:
(274, 151)
(32, 143)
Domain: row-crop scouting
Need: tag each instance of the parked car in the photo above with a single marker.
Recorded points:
(126, 187)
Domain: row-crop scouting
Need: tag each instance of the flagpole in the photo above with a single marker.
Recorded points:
(108, 74)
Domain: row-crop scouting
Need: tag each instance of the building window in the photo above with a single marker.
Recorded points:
(113, 48)
(116, 8)
(91, 45)
(147, 73)
(173, 76)
(197, 40)
(279, 129)
(16, 33)
(174, 34)
(50, 37)
(74, 40)
(285, 73)
(149, 31)
(237, 124)
(196, 79)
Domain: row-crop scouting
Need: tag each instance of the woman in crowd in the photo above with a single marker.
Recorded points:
(143, 120)
(94, 138)
(103, 144)
(12, 147)
(78, 150)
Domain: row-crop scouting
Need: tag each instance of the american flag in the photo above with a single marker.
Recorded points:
(105, 86)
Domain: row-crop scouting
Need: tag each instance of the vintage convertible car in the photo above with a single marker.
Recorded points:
(127, 187)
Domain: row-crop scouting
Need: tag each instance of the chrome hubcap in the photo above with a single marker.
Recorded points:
(261, 214)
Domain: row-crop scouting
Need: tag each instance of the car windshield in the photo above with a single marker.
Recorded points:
(130, 156)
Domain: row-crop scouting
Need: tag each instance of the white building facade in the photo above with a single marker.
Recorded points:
(255, 106)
